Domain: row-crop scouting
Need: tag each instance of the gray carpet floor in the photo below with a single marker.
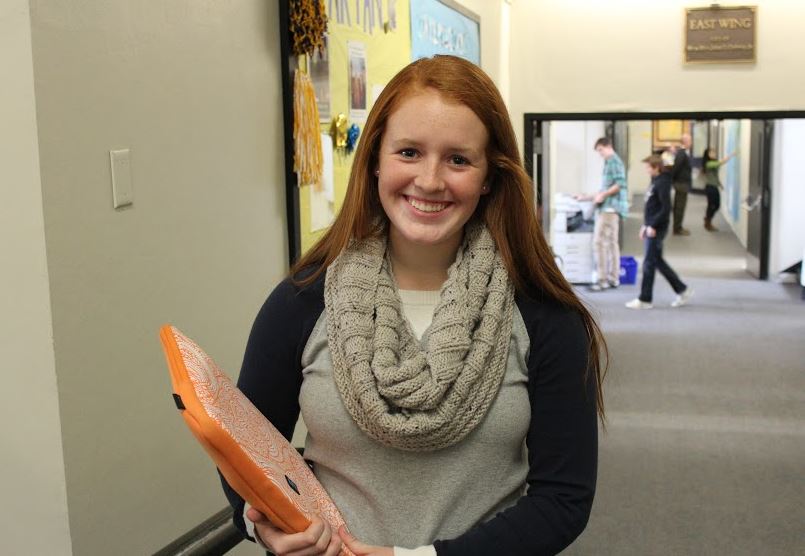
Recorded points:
(704, 451)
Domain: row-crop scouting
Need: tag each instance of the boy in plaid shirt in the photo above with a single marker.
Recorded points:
(611, 203)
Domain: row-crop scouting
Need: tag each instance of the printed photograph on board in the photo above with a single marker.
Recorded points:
(357, 81)
(319, 67)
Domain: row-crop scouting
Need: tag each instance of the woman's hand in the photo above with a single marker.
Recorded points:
(360, 549)
(317, 540)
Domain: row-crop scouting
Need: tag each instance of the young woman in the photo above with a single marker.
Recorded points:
(711, 165)
(449, 378)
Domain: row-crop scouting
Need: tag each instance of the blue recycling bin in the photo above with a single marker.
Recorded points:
(628, 273)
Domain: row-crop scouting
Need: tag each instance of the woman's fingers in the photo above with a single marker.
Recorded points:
(362, 549)
(356, 546)
(335, 545)
(263, 528)
(255, 516)
(319, 538)
(297, 544)
(267, 533)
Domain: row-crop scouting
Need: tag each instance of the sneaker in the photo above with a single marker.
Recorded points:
(614, 285)
(598, 287)
(682, 232)
(638, 304)
(683, 298)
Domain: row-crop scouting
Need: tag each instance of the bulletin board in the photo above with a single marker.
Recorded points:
(367, 43)
(387, 49)
(444, 27)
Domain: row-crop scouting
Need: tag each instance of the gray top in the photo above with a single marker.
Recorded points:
(460, 488)
(451, 489)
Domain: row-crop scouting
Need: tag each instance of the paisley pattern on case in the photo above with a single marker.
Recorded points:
(256, 436)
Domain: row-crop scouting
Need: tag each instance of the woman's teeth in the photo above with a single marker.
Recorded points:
(426, 207)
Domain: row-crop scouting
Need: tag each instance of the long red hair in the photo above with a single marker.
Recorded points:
(508, 210)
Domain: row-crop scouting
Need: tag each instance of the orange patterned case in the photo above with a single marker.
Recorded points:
(254, 458)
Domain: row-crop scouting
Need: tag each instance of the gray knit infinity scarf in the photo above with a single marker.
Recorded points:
(398, 393)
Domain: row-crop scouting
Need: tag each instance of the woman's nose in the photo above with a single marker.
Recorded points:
(429, 177)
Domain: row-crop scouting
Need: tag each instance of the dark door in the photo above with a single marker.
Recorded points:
(758, 203)
(620, 139)
(536, 163)
(620, 142)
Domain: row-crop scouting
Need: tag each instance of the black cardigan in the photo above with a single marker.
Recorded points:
(562, 439)
(657, 212)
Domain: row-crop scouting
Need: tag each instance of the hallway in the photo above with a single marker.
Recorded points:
(705, 443)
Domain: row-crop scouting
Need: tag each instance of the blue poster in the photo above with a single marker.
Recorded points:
(732, 185)
(439, 29)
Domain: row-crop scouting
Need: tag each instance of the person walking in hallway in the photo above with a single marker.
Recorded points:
(655, 227)
(680, 177)
(711, 165)
(611, 202)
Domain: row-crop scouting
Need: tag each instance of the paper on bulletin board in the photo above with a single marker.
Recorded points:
(319, 69)
(358, 82)
(327, 181)
(376, 90)
(322, 198)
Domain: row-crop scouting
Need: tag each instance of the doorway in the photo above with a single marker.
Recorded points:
(747, 197)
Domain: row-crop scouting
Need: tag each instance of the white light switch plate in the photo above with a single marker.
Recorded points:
(122, 190)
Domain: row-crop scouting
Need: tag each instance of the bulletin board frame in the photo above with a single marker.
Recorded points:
(288, 64)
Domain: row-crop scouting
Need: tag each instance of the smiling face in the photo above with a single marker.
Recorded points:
(432, 167)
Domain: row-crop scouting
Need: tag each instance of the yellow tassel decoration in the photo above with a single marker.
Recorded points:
(308, 158)
(308, 24)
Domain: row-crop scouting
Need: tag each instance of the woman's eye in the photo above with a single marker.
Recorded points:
(459, 160)
(408, 153)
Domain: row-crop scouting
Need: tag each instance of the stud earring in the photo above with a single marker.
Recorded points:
(377, 172)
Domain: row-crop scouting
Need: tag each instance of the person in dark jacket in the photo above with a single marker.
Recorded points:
(680, 177)
(655, 227)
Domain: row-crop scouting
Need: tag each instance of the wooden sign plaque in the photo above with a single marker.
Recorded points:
(720, 34)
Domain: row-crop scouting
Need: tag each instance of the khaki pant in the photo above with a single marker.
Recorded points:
(607, 251)
(680, 202)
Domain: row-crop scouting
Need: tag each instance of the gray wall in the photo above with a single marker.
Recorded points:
(788, 195)
(33, 513)
(628, 56)
(192, 88)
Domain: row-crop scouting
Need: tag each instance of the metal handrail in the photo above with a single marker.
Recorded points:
(213, 537)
